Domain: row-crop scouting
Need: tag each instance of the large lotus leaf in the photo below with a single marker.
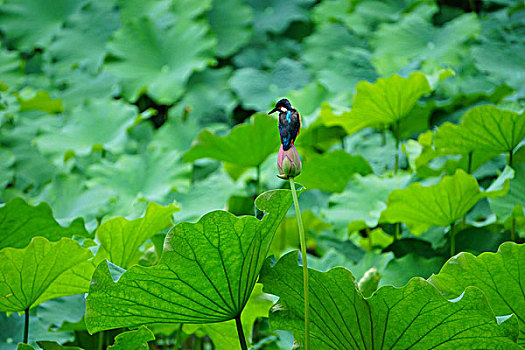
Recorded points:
(150, 176)
(257, 89)
(381, 103)
(92, 26)
(331, 171)
(158, 62)
(503, 206)
(136, 339)
(486, 128)
(208, 97)
(224, 335)
(247, 145)
(231, 21)
(413, 317)
(416, 38)
(363, 201)
(206, 273)
(441, 204)
(82, 130)
(120, 239)
(499, 275)
(38, 272)
(32, 23)
(275, 16)
(20, 222)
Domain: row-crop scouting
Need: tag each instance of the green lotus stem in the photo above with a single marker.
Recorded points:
(510, 158)
(513, 229)
(469, 164)
(369, 236)
(397, 229)
(240, 332)
(100, 341)
(26, 326)
(258, 179)
(452, 241)
(396, 135)
(305, 266)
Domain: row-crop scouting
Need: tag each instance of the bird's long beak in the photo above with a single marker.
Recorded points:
(273, 110)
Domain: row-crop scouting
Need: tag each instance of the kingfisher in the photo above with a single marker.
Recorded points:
(289, 122)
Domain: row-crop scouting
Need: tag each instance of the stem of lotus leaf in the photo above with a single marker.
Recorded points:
(240, 332)
(100, 341)
(469, 164)
(26, 326)
(510, 158)
(258, 179)
(396, 135)
(369, 236)
(305, 266)
(452, 235)
(513, 229)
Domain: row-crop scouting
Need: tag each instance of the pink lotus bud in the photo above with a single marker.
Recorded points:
(288, 162)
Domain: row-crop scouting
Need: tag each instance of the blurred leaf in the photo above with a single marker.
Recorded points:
(133, 340)
(345, 69)
(415, 316)
(20, 222)
(92, 27)
(399, 271)
(246, 145)
(120, 239)
(486, 129)
(34, 274)
(158, 62)
(224, 335)
(205, 196)
(149, 176)
(258, 89)
(231, 21)
(82, 130)
(441, 204)
(39, 101)
(287, 234)
(79, 86)
(206, 273)
(501, 54)
(416, 38)
(69, 198)
(28, 24)
(363, 200)
(331, 171)
(275, 16)
(327, 39)
(44, 319)
(7, 159)
(208, 98)
(498, 275)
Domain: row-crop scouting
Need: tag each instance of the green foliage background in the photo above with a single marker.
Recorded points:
(107, 106)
